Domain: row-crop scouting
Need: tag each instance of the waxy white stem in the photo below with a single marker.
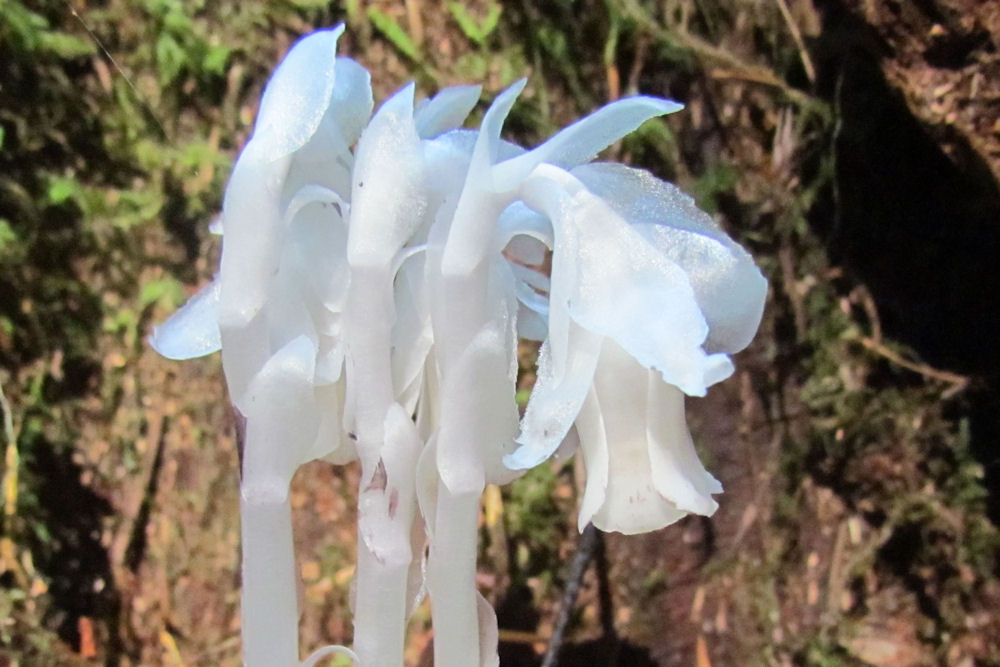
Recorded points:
(386, 513)
(380, 610)
(380, 599)
(451, 579)
(270, 607)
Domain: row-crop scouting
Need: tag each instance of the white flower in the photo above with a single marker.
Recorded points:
(277, 301)
(641, 279)
(642, 469)
(377, 273)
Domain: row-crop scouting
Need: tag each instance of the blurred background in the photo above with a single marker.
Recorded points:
(852, 146)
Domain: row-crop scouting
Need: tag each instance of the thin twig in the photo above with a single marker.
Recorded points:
(793, 27)
(574, 581)
(11, 461)
(606, 605)
(960, 381)
(871, 310)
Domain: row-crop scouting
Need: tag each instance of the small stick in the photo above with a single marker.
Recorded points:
(590, 543)
(793, 27)
(604, 589)
(11, 463)
(960, 381)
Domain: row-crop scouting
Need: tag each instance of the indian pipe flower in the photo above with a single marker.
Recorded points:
(377, 274)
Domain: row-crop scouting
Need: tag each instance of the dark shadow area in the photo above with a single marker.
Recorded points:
(605, 652)
(898, 554)
(919, 227)
(517, 612)
(182, 226)
(68, 551)
(984, 441)
(136, 549)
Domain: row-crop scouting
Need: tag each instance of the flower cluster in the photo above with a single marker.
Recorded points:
(377, 274)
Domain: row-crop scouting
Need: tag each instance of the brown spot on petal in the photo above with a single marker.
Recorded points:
(393, 503)
(379, 479)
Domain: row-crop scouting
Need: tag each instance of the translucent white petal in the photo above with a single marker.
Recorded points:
(427, 484)
(331, 441)
(321, 163)
(446, 110)
(531, 288)
(452, 145)
(508, 149)
(531, 325)
(526, 250)
(409, 395)
(613, 282)
(252, 213)
(677, 472)
(471, 231)
(428, 412)
(593, 443)
(282, 422)
(317, 249)
(313, 194)
(245, 350)
(640, 197)
(193, 331)
(632, 503)
(268, 255)
(401, 451)
(584, 139)
(559, 391)
(477, 398)
(326, 159)
(524, 234)
(412, 336)
(292, 295)
(416, 588)
(728, 286)
(351, 102)
(488, 146)
(447, 157)
(297, 96)
(388, 201)
(642, 470)
(288, 314)
(525, 238)
(329, 360)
